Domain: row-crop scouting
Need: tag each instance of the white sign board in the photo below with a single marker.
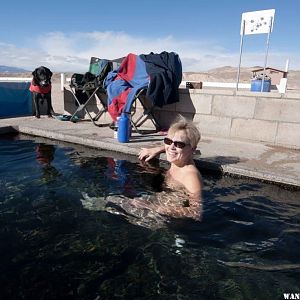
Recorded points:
(257, 22)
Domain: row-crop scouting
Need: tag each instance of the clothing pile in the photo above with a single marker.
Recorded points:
(160, 74)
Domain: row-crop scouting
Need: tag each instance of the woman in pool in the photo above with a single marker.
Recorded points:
(179, 145)
(180, 196)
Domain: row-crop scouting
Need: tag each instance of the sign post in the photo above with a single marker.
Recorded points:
(256, 22)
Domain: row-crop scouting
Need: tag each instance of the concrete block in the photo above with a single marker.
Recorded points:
(165, 119)
(247, 93)
(255, 130)
(139, 115)
(183, 91)
(285, 110)
(291, 95)
(195, 103)
(288, 135)
(268, 109)
(237, 106)
(213, 125)
(290, 111)
(185, 104)
(69, 102)
(57, 98)
(274, 94)
(202, 103)
(212, 91)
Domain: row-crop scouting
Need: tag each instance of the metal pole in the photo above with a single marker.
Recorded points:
(266, 56)
(240, 59)
(62, 81)
(287, 65)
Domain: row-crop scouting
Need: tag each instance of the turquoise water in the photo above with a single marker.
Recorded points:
(65, 233)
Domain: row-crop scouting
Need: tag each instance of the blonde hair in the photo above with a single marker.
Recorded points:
(190, 129)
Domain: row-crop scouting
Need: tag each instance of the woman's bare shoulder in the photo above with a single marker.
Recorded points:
(192, 179)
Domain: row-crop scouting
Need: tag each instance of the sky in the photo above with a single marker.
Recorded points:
(63, 35)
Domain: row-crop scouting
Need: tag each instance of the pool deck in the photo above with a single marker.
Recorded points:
(241, 158)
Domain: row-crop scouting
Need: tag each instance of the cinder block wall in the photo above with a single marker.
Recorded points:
(261, 117)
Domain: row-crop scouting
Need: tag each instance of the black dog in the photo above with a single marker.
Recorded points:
(41, 90)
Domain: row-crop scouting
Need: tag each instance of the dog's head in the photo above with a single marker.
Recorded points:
(42, 76)
(87, 77)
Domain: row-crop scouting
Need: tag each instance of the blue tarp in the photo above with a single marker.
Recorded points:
(15, 99)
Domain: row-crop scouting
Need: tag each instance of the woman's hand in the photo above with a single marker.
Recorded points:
(149, 153)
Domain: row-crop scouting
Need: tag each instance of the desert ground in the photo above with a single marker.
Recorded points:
(229, 74)
(223, 74)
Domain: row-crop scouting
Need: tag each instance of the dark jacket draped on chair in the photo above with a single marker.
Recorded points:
(160, 73)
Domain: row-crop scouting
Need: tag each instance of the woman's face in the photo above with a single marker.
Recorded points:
(179, 155)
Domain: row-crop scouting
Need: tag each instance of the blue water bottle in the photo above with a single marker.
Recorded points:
(123, 128)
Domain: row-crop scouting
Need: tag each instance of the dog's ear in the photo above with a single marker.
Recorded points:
(34, 73)
(48, 71)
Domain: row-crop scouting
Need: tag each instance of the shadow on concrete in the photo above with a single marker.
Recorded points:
(169, 113)
(215, 163)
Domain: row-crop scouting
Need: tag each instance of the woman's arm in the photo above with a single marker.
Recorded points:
(193, 211)
(149, 153)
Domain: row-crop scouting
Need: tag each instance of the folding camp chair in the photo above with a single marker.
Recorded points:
(85, 87)
(147, 113)
(152, 79)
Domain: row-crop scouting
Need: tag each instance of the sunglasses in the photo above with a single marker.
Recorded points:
(177, 144)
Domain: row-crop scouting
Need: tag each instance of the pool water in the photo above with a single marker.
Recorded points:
(58, 240)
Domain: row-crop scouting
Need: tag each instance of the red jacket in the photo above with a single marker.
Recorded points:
(38, 89)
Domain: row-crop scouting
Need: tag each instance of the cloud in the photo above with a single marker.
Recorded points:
(72, 52)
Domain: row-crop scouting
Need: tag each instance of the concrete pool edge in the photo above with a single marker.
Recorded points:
(233, 170)
(110, 144)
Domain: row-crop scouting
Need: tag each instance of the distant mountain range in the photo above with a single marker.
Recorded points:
(6, 69)
(222, 74)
